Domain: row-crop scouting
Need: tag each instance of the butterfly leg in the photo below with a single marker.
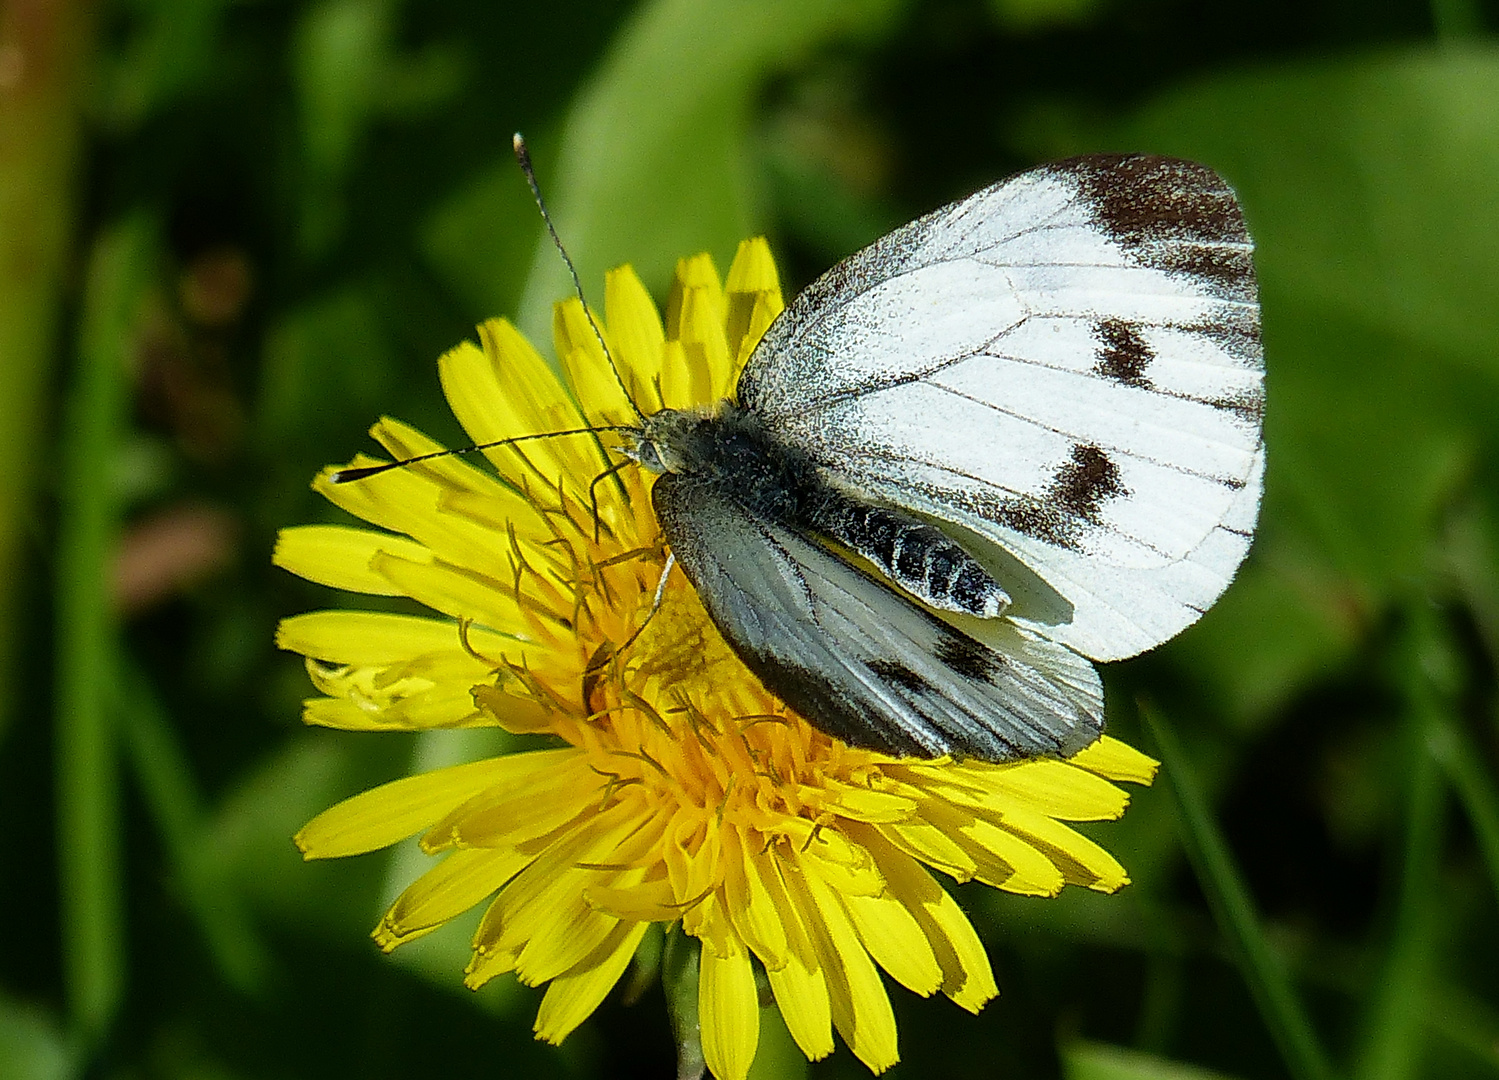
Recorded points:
(671, 561)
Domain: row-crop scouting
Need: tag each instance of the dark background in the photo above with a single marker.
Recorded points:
(234, 233)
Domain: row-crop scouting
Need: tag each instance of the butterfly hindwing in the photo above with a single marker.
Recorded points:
(869, 664)
(1067, 365)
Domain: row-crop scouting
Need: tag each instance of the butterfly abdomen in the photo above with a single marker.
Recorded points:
(918, 557)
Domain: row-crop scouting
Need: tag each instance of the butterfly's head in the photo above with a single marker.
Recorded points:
(666, 440)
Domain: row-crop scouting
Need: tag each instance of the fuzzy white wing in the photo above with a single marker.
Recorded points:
(1066, 365)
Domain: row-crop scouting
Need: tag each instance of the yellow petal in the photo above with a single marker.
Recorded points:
(533, 898)
(450, 473)
(696, 274)
(391, 812)
(452, 887)
(439, 707)
(408, 502)
(894, 938)
(545, 790)
(650, 901)
(339, 556)
(861, 1008)
(571, 998)
(802, 996)
(588, 372)
(1081, 861)
(454, 592)
(704, 350)
(729, 1011)
(1057, 788)
(750, 904)
(966, 975)
(1110, 758)
(754, 297)
(766, 308)
(372, 637)
(867, 804)
(636, 337)
(503, 388)
(1008, 862)
(572, 933)
(932, 846)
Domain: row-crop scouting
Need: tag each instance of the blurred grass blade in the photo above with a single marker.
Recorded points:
(88, 813)
(1083, 1060)
(166, 782)
(39, 140)
(1280, 1006)
(1475, 787)
(1395, 1027)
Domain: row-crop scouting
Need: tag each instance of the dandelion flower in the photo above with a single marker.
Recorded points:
(672, 788)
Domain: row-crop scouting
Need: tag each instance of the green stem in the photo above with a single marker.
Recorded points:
(1233, 909)
(88, 842)
(679, 976)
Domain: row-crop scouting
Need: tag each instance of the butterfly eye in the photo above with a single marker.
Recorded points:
(650, 457)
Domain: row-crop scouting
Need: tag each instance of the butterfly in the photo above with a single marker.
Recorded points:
(1015, 436)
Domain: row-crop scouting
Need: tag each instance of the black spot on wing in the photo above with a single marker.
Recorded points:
(1074, 498)
(1085, 482)
(1172, 215)
(897, 673)
(969, 658)
(1123, 354)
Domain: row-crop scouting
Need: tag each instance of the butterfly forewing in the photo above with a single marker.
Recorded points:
(1067, 365)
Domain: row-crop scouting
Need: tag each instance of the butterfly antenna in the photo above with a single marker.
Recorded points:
(345, 476)
(523, 156)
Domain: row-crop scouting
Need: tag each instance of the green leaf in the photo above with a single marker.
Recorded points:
(1100, 1061)
(332, 349)
(1233, 909)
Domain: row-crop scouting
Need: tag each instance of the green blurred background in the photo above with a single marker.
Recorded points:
(233, 232)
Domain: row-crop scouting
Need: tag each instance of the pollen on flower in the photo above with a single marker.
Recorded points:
(674, 789)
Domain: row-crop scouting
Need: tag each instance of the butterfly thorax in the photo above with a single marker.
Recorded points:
(730, 450)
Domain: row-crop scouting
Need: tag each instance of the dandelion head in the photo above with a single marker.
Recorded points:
(664, 784)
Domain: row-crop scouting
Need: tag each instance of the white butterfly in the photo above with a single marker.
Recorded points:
(1018, 434)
